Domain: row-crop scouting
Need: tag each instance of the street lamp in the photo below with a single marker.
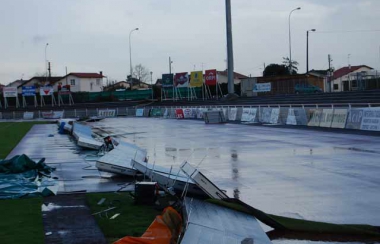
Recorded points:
(130, 51)
(290, 40)
(46, 68)
(151, 82)
(307, 49)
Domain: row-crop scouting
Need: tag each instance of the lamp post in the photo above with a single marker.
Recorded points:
(290, 40)
(130, 51)
(307, 49)
(151, 82)
(47, 44)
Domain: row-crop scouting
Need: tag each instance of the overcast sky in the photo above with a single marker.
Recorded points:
(92, 35)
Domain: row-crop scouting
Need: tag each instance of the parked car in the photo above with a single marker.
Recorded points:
(307, 89)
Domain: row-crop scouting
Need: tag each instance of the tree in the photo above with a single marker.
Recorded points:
(141, 73)
(292, 65)
(276, 69)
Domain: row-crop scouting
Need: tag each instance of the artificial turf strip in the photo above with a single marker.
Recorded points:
(132, 221)
(21, 221)
(11, 134)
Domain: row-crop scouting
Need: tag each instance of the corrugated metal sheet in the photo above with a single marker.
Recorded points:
(209, 224)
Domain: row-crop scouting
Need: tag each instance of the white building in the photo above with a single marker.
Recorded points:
(82, 82)
(345, 79)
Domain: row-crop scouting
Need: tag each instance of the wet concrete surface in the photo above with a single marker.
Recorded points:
(305, 174)
(67, 219)
(73, 171)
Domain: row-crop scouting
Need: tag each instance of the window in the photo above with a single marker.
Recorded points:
(98, 82)
(72, 82)
(336, 86)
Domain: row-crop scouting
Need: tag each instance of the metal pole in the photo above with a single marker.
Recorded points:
(307, 52)
(151, 82)
(290, 41)
(130, 52)
(230, 55)
(47, 44)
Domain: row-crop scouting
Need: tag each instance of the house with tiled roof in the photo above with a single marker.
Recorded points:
(222, 77)
(82, 82)
(38, 81)
(346, 78)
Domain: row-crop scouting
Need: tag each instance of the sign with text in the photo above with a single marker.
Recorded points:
(46, 91)
(28, 91)
(249, 115)
(10, 91)
(340, 118)
(52, 115)
(139, 112)
(262, 87)
(315, 117)
(354, 118)
(181, 79)
(274, 116)
(179, 113)
(196, 79)
(210, 77)
(371, 120)
(107, 113)
(167, 80)
(326, 117)
(188, 113)
(28, 115)
(232, 114)
(266, 114)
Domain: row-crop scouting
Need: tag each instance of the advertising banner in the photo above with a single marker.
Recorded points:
(296, 116)
(354, 118)
(181, 79)
(210, 77)
(225, 112)
(139, 112)
(291, 119)
(249, 115)
(179, 113)
(28, 91)
(107, 113)
(274, 116)
(166, 113)
(196, 79)
(46, 91)
(326, 117)
(340, 118)
(155, 112)
(10, 91)
(315, 117)
(266, 115)
(262, 87)
(188, 113)
(52, 115)
(167, 80)
(371, 120)
(28, 115)
(232, 114)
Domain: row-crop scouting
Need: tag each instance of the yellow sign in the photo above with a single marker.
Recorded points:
(196, 79)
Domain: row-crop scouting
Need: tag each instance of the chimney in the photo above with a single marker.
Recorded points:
(101, 73)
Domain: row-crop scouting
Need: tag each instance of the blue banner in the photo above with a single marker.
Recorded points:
(28, 91)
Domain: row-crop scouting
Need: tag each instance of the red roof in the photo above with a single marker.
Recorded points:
(87, 75)
(346, 70)
(236, 75)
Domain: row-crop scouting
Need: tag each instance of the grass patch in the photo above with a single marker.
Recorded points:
(11, 134)
(132, 221)
(21, 221)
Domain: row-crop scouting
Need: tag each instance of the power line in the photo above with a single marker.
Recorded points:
(345, 31)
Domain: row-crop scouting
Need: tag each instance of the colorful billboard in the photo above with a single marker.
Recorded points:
(46, 91)
(196, 79)
(28, 91)
(210, 77)
(181, 79)
(10, 91)
(167, 80)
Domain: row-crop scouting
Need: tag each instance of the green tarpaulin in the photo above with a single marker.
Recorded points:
(21, 176)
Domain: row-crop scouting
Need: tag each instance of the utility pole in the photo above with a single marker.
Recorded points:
(170, 65)
(329, 73)
(230, 54)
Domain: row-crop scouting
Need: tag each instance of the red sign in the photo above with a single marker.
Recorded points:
(210, 77)
(181, 79)
(179, 114)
